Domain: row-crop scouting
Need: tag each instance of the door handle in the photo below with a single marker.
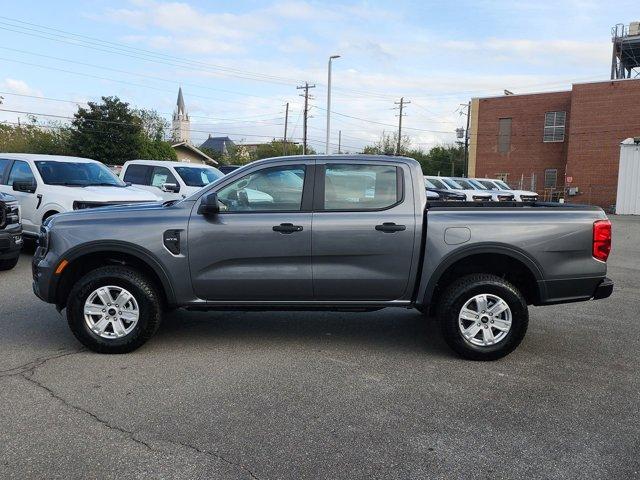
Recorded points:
(287, 228)
(390, 227)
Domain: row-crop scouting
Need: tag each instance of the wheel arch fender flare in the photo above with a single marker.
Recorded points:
(461, 253)
(131, 249)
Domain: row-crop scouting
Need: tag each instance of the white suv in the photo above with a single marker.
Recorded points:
(48, 184)
(170, 180)
(472, 195)
(521, 195)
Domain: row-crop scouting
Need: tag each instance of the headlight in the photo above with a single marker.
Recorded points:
(44, 240)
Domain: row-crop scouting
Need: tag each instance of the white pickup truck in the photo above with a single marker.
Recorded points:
(49, 184)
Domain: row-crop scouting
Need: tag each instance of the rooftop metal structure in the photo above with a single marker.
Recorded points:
(625, 59)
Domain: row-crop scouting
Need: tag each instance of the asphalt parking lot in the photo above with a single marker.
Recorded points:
(325, 395)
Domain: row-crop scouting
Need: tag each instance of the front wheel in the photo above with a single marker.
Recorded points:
(483, 317)
(9, 263)
(114, 309)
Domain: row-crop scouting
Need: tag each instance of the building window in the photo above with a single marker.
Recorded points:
(504, 135)
(550, 178)
(554, 123)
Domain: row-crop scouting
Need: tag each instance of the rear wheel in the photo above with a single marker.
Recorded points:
(483, 317)
(114, 310)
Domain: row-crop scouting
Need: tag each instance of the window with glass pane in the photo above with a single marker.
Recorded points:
(504, 135)
(550, 178)
(276, 188)
(554, 123)
(136, 174)
(162, 175)
(20, 172)
(360, 187)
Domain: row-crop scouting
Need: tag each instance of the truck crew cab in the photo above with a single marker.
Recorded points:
(326, 232)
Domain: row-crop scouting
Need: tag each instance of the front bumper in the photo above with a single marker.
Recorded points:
(10, 242)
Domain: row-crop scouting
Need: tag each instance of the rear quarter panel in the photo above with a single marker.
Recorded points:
(556, 243)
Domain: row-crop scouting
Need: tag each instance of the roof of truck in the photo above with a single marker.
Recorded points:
(170, 163)
(45, 158)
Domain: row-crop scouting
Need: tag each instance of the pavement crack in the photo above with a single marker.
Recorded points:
(31, 365)
(128, 433)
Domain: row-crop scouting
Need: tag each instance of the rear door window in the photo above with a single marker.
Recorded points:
(356, 187)
(137, 174)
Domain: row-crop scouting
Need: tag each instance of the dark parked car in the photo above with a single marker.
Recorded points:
(322, 233)
(10, 232)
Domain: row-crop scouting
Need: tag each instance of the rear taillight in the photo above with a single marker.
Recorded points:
(601, 239)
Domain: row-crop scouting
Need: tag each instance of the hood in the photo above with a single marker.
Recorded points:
(129, 210)
(5, 197)
(114, 194)
(476, 193)
(104, 194)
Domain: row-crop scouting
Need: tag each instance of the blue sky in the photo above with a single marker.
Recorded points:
(239, 62)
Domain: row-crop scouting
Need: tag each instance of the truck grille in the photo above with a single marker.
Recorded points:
(528, 198)
(84, 205)
(9, 214)
(505, 198)
(481, 199)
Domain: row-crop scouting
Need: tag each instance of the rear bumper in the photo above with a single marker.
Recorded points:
(604, 289)
(574, 290)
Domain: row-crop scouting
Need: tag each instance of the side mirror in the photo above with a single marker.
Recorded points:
(25, 186)
(209, 205)
(170, 187)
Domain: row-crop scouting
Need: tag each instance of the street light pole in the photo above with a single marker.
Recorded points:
(326, 150)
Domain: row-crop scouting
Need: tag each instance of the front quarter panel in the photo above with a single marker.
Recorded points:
(136, 230)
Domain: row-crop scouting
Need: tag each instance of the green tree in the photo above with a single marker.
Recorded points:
(388, 144)
(29, 137)
(107, 131)
(277, 148)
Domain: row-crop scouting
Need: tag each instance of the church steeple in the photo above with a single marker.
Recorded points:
(181, 109)
(181, 129)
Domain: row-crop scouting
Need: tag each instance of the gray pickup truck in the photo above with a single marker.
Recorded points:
(339, 233)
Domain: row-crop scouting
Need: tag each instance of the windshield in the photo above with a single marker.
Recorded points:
(199, 176)
(438, 183)
(489, 184)
(77, 174)
(453, 184)
(465, 184)
(428, 184)
(502, 185)
(476, 184)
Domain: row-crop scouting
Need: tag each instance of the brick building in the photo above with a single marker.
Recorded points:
(558, 143)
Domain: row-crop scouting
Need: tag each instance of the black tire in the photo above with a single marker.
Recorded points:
(145, 293)
(464, 289)
(9, 263)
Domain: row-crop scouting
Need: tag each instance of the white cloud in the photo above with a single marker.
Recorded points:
(19, 86)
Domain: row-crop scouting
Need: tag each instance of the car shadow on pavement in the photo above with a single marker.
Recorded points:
(400, 330)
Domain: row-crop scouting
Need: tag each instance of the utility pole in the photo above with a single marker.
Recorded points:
(402, 103)
(326, 147)
(306, 88)
(466, 142)
(339, 140)
(286, 122)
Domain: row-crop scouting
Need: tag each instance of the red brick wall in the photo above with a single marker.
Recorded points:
(602, 115)
(528, 154)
